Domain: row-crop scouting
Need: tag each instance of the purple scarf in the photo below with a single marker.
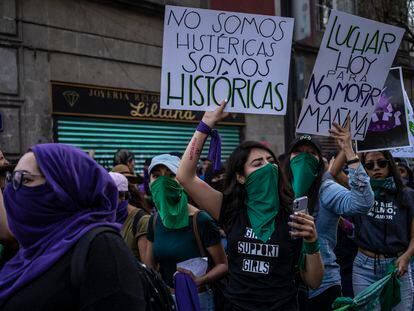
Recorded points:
(48, 220)
(122, 212)
(186, 293)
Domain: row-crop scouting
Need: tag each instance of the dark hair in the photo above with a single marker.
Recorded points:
(136, 198)
(211, 173)
(313, 192)
(123, 156)
(235, 193)
(393, 172)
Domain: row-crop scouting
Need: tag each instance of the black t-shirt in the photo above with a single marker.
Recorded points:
(112, 282)
(386, 228)
(261, 275)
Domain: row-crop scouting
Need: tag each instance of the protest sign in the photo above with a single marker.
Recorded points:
(349, 73)
(212, 55)
(388, 128)
(407, 152)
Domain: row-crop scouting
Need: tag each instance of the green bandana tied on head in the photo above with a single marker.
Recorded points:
(304, 170)
(262, 187)
(171, 202)
(379, 186)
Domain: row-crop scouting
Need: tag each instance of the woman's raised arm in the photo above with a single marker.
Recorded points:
(205, 196)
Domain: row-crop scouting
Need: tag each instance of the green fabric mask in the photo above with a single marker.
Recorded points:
(304, 170)
(171, 202)
(379, 186)
(262, 187)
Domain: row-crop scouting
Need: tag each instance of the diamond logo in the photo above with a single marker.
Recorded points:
(71, 97)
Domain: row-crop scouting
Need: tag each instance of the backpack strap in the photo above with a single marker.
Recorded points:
(154, 222)
(81, 251)
(197, 235)
(136, 220)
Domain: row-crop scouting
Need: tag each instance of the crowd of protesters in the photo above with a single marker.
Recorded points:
(235, 220)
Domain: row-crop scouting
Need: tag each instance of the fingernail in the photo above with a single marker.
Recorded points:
(296, 213)
(226, 100)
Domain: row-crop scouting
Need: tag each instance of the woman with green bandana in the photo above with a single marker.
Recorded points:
(328, 200)
(255, 212)
(170, 231)
(385, 235)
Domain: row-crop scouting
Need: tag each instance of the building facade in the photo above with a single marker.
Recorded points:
(107, 49)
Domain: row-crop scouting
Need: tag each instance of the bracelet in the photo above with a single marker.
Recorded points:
(214, 152)
(354, 160)
(311, 248)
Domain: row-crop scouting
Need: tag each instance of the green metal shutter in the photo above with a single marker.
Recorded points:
(145, 139)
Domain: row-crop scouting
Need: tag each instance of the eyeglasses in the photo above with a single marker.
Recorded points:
(380, 163)
(17, 178)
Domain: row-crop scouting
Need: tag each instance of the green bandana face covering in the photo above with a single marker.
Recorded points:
(262, 187)
(171, 202)
(304, 170)
(379, 186)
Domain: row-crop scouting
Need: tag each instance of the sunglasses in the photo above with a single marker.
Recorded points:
(380, 163)
(17, 178)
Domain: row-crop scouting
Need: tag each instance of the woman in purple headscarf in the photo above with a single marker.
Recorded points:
(55, 195)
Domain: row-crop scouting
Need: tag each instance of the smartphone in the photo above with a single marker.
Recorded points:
(300, 205)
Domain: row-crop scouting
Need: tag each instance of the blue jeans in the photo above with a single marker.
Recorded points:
(206, 300)
(412, 275)
(363, 275)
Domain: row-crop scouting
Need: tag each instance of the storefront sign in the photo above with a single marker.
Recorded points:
(95, 101)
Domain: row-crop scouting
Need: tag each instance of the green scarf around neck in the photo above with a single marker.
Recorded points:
(381, 186)
(171, 202)
(262, 187)
(304, 171)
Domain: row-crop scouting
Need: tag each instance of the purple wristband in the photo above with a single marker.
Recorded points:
(214, 152)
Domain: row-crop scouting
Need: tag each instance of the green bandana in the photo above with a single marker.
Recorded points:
(304, 170)
(171, 202)
(262, 187)
(381, 186)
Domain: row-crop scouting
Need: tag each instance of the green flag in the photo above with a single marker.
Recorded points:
(385, 292)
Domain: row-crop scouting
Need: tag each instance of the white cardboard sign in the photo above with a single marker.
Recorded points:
(212, 55)
(407, 152)
(349, 73)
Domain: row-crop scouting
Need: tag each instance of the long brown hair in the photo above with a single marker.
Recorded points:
(235, 193)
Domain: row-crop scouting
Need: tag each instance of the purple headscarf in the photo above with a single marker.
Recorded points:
(122, 212)
(48, 220)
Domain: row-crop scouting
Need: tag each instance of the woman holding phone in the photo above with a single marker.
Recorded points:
(255, 211)
(328, 200)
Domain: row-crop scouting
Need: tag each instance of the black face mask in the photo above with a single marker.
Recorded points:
(218, 185)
